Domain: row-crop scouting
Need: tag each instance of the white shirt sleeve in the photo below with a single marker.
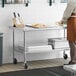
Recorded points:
(68, 11)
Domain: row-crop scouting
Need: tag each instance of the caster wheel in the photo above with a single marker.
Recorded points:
(26, 66)
(65, 56)
(15, 61)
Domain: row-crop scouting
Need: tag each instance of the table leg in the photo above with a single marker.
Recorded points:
(14, 59)
(25, 61)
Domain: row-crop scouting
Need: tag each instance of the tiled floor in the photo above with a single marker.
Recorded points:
(33, 65)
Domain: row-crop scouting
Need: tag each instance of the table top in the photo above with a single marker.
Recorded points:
(71, 68)
(39, 29)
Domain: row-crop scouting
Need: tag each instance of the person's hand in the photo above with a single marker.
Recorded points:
(59, 23)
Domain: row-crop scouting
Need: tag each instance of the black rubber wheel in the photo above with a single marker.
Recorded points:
(65, 56)
(14, 61)
(26, 66)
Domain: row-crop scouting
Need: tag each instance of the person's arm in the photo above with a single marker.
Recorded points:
(68, 11)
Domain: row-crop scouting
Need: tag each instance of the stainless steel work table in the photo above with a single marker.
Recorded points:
(29, 29)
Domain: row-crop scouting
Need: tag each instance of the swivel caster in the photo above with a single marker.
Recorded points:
(65, 56)
(25, 66)
(14, 61)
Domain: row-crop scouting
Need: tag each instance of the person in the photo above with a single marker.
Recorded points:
(69, 17)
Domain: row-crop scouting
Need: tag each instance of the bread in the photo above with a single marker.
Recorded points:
(38, 25)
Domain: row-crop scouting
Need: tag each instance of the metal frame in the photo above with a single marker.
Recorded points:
(25, 49)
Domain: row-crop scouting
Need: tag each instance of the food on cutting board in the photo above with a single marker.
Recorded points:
(38, 25)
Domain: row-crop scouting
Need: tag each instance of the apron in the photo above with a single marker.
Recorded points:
(71, 28)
